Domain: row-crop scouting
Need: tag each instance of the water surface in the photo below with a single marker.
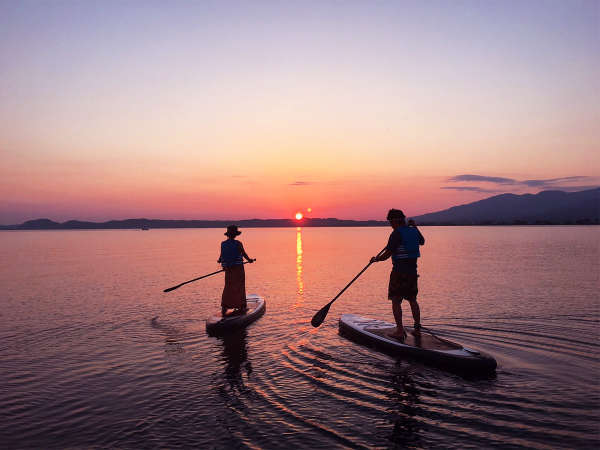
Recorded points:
(83, 363)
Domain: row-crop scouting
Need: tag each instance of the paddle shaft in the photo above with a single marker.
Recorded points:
(355, 278)
(196, 279)
(319, 317)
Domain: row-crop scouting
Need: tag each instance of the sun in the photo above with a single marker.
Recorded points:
(299, 215)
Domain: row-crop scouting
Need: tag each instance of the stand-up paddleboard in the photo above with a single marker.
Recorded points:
(423, 346)
(217, 324)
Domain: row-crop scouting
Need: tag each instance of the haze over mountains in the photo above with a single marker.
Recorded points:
(546, 207)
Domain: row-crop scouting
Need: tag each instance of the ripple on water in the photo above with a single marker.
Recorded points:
(91, 368)
(366, 384)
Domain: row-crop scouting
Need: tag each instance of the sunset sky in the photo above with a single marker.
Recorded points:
(232, 110)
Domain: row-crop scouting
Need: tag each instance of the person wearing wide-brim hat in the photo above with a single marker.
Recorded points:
(232, 259)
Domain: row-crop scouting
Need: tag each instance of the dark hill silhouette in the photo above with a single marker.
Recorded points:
(47, 224)
(39, 224)
(545, 207)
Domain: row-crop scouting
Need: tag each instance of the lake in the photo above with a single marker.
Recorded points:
(84, 365)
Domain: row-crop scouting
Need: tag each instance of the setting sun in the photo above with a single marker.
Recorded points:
(472, 120)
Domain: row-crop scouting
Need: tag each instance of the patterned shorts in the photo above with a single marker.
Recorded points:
(403, 286)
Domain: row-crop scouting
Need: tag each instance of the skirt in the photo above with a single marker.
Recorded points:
(234, 292)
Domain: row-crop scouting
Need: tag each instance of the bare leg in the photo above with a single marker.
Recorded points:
(397, 310)
(416, 311)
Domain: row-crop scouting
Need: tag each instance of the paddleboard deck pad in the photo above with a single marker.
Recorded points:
(423, 346)
(217, 324)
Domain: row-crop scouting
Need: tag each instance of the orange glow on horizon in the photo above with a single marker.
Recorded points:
(169, 156)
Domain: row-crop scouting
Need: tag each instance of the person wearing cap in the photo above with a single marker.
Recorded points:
(403, 247)
(232, 259)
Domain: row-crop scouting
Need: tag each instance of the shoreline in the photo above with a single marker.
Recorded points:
(17, 228)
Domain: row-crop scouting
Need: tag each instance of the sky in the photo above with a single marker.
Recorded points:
(234, 110)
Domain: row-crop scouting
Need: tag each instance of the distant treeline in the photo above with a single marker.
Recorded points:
(46, 224)
(543, 208)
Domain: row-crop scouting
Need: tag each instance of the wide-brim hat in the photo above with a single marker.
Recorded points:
(232, 230)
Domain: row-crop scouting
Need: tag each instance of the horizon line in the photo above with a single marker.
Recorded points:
(282, 219)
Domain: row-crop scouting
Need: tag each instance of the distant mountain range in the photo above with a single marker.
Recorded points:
(547, 207)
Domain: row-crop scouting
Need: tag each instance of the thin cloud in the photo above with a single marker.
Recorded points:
(552, 181)
(548, 183)
(481, 178)
(301, 183)
(469, 189)
(578, 188)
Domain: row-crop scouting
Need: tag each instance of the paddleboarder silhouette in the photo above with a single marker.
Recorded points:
(403, 247)
(232, 259)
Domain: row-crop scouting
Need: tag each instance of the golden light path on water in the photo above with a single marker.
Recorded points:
(299, 279)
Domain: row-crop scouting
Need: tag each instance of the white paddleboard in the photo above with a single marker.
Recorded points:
(217, 324)
(424, 346)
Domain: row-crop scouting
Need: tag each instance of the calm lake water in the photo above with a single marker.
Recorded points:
(82, 363)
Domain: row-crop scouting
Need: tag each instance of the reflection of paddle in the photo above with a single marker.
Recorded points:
(319, 317)
(199, 278)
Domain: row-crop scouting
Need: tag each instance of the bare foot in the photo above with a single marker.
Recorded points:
(398, 334)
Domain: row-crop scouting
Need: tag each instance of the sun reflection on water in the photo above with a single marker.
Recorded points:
(299, 279)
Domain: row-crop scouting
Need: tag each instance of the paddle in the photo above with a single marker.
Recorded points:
(319, 317)
(199, 278)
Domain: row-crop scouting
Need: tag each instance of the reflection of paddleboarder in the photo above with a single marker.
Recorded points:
(235, 354)
(231, 258)
(403, 247)
(404, 396)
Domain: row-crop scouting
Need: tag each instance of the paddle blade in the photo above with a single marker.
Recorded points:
(319, 317)
(171, 288)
